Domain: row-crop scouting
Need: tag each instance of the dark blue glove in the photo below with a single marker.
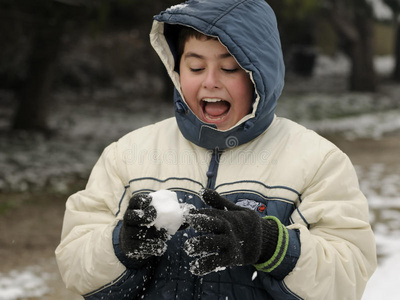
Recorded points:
(234, 236)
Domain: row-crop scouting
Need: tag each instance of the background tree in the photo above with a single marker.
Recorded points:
(42, 24)
(297, 23)
(353, 22)
(35, 44)
(138, 14)
(395, 7)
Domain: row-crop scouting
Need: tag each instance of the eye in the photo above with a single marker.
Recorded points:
(196, 70)
(227, 70)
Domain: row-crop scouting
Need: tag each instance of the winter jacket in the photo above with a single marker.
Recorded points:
(265, 163)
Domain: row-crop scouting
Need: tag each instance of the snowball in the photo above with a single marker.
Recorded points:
(169, 212)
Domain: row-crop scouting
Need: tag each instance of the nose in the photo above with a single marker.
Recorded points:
(212, 80)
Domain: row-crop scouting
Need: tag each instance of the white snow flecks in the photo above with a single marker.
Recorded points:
(176, 7)
(218, 269)
(254, 276)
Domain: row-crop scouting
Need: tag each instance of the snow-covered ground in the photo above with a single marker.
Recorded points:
(28, 283)
(86, 127)
(381, 185)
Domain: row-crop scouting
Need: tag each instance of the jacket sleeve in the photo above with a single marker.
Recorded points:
(86, 256)
(338, 253)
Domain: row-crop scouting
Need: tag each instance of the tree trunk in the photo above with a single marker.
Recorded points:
(362, 77)
(396, 71)
(34, 97)
(354, 28)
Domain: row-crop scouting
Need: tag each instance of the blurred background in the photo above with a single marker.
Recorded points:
(75, 75)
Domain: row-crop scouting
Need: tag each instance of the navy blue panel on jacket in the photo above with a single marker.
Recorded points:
(169, 276)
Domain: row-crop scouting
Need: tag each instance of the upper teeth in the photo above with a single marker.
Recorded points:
(211, 100)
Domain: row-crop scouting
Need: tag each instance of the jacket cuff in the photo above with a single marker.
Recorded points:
(286, 253)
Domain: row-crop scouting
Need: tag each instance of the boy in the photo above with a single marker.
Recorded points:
(280, 214)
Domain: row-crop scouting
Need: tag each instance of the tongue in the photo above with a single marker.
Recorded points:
(216, 108)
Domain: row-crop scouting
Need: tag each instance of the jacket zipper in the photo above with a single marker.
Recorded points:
(211, 180)
(213, 168)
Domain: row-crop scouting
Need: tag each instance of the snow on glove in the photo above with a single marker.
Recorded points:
(234, 236)
(138, 239)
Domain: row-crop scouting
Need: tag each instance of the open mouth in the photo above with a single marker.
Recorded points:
(215, 109)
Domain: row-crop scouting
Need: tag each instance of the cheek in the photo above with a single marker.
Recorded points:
(248, 86)
(244, 89)
(189, 90)
(187, 87)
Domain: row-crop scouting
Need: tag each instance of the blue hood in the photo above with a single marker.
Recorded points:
(248, 29)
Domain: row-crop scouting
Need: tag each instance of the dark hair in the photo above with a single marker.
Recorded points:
(185, 33)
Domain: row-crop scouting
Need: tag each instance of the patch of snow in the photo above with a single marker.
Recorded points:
(218, 269)
(384, 282)
(380, 185)
(254, 275)
(373, 125)
(176, 7)
(340, 64)
(23, 284)
(30, 161)
(314, 102)
(332, 65)
(384, 64)
(381, 10)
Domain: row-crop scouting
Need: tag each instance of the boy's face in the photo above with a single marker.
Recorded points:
(215, 87)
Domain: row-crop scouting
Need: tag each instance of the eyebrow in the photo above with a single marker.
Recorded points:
(195, 55)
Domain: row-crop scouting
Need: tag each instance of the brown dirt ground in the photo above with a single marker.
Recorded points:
(29, 233)
(31, 224)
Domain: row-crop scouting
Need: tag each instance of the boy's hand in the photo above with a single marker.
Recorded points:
(235, 236)
(138, 239)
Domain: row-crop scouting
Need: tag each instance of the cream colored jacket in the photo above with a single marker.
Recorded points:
(298, 176)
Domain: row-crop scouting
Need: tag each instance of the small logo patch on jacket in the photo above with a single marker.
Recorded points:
(251, 204)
